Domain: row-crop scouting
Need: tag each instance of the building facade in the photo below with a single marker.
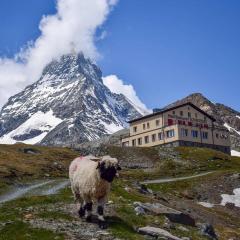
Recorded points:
(183, 125)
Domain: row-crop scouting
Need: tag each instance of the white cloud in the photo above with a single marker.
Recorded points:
(116, 85)
(73, 26)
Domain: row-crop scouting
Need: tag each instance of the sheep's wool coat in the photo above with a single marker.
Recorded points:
(86, 181)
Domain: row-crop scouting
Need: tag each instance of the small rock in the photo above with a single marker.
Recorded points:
(236, 176)
(181, 228)
(143, 189)
(168, 225)
(28, 216)
(207, 229)
(230, 205)
(172, 214)
(139, 211)
(109, 202)
(157, 232)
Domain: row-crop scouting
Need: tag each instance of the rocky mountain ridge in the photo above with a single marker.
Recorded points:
(68, 104)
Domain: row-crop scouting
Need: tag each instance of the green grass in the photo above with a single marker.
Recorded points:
(19, 230)
(55, 215)
(16, 166)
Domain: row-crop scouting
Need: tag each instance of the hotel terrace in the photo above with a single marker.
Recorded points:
(182, 125)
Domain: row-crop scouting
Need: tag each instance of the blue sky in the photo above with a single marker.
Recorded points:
(166, 49)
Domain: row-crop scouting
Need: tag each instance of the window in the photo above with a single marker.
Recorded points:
(184, 132)
(148, 125)
(157, 122)
(194, 133)
(170, 122)
(144, 126)
(189, 123)
(181, 113)
(160, 136)
(153, 137)
(205, 118)
(170, 133)
(134, 129)
(134, 142)
(217, 135)
(180, 122)
(205, 135)
(173, 112)
(146, 139)
(139, 141)
(189, 115)
(196, 116)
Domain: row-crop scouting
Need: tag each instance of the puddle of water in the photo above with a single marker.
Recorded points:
(37, 189)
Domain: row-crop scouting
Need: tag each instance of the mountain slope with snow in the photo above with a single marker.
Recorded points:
(68, 104)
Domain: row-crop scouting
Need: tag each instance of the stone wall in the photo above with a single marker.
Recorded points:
(224, 149)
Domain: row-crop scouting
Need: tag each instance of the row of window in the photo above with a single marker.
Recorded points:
(194, 133)
(182, 122)
(171, 133)
(146, 125)
(171, 122)
(222, 136)
(153, 138)
(189, 115)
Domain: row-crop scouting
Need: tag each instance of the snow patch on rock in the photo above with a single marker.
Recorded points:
(206, 204)
(235, 198)
(44, 122)
(231, 129)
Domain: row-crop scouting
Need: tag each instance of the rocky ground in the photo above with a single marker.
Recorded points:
(176, 209)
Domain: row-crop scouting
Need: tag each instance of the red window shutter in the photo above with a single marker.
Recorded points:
(189, 123)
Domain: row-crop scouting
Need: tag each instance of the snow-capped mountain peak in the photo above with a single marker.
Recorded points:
(68, 104)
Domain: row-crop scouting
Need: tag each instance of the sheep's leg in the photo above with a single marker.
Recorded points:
(81, 211)
(100, 211)
(88, 207)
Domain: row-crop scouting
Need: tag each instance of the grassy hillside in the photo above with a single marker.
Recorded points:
(36, 217)
(20, 161)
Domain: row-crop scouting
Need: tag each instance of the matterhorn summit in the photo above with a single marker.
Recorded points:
(69, 104)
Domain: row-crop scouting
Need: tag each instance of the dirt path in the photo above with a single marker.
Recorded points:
(41, 187)
(166, 180)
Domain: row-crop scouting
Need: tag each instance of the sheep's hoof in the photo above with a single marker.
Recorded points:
(81, 212)
(89, 218)
(102, 224)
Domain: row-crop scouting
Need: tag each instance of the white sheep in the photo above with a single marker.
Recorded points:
(90, 179)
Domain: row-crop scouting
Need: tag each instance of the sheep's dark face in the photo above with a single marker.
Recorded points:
(108, 173)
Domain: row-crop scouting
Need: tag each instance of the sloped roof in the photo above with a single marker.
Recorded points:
(170, 109)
